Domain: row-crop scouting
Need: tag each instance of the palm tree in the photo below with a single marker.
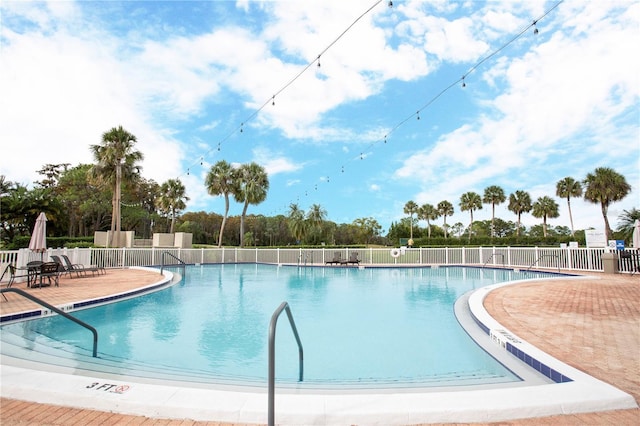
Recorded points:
(316, 216)
(410, 208)
(445, 209)
(428, 212)
(545, 207)
(493, 195)
(605, 186)
(470, 201)
(172, 199)
(627, 220)
(253, 185)
(222, 180)
(567, 188)
(116, 158)
(297, 223)
(519, 202)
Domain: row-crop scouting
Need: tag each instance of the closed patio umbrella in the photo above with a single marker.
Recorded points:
(38, 242)
(636, 234)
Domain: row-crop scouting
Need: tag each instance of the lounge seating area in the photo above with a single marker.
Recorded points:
(67, 267)
(339, 260)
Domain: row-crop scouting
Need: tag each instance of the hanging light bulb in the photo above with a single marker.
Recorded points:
(218, 146)
(535, 29)
(418, 115)
(390, 3)
(318, 61)
(201, 159)
(187, 172)
(463, 83)
(241, 126)
(385, 138)
(273, 100)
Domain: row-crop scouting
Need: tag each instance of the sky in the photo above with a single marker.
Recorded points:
(353, 105)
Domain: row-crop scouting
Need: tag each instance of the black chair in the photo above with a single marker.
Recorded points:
(50, 271)
(13, 274)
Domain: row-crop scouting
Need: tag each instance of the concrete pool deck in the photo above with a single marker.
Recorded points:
(590, 324)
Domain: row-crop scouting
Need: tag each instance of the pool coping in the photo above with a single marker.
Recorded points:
(391, 406)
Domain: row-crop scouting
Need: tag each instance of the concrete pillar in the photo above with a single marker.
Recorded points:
(610, 263)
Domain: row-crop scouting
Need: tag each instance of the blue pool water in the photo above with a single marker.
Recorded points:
(357, 325)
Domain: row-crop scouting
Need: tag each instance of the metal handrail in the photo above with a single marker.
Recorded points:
(545, 255)
(491, 257)
(59, 312)
(272, 353)
(182, 264)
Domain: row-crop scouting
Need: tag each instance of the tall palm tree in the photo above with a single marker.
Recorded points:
(545, 207)
(428, 212)
(519, 202)
(253, 185)
(470, 201)
(316, 216)
(116, 159)
(297, 223)
(567, 188)
(222, 180)
(493, 195)
(605, 186)
(172, 199)
(410, 208)
(445, 209)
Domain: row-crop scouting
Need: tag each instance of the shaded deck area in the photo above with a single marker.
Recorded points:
(590, 324)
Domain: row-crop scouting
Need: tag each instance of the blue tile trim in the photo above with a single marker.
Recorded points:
(540, 367)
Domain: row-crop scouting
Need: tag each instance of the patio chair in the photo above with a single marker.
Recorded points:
(13, 274)
(61, 266)
(353, 258)
(337, 258)
(79, 268)
(50, 271)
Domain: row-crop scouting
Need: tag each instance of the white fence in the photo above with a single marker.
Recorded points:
(572, 259)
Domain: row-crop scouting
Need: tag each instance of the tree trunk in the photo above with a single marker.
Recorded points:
(570, 216)
(607, 229)
(224, 219)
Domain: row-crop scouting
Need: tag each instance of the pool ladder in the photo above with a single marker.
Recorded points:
(57, 311)
(284, 306)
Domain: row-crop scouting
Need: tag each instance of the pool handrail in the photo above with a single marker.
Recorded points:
(543, 256)
(182, 264)
(57, 311)
(272, 352)
(491, 258)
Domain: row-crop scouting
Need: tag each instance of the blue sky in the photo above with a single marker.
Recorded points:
(185, 77)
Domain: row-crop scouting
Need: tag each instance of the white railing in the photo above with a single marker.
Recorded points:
(572, 259)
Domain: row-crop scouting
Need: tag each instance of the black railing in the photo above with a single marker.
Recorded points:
(57, 311)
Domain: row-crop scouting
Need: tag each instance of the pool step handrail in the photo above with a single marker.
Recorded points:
(181, 263)
(542, 256)
(57, 311)
(272, 352)
(491, 257)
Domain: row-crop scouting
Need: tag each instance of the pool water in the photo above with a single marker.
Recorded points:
(358, 326)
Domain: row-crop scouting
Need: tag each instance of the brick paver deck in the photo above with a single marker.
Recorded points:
(590, 324)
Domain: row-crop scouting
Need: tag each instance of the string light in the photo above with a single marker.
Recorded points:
(317, 60)
(462, 79)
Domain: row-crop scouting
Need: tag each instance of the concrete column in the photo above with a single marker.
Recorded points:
(610, 263)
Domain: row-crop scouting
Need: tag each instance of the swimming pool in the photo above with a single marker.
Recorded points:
(365, 327)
